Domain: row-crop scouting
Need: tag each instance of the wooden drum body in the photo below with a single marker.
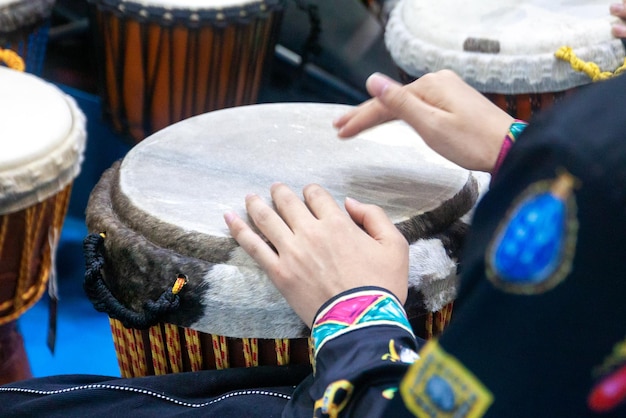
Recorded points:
(24, 28)
(43, 143)
(161, 214)
(504, 49)
(161, 61)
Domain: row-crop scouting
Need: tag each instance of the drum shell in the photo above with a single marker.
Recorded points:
(521, 106)
(166, 348)
(27, 241)
(524, 106)
(156, 69)
(24, 27)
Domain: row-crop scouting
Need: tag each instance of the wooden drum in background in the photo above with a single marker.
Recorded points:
(43, 133)
(161, 61)
(24, 28)
(41, 151)
(504, 49)
(160, 212)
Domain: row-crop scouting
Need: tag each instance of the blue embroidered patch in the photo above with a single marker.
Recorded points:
(438, 385)
(534, 246)
(441, 393)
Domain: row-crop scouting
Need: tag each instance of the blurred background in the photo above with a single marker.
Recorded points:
(324, 53)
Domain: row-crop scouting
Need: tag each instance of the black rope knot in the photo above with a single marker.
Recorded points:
(104, 301)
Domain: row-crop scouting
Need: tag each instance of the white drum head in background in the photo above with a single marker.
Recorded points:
(505, 46)
(43, 140)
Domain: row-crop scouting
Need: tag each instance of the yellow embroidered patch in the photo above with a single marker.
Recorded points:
(400, 354)
(336, 397)
(438, 385)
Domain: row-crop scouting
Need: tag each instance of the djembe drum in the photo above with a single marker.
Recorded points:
(43, 140)
(160, 213)
(24, 28)
(504, 49)
(161, 61)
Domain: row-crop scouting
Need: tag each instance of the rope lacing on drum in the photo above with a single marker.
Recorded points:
(104, 301)
(592, 69)
(12, 59)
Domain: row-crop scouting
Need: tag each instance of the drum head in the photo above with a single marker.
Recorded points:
(162, 207)
(191, 173)
(43, 140)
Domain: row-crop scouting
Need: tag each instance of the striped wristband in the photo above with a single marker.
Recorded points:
(355, 310)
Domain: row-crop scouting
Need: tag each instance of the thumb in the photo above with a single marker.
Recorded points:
(400, 100)
(377, 84)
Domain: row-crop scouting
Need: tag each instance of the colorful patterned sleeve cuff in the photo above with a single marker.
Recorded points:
(516, 128)
(356, 309)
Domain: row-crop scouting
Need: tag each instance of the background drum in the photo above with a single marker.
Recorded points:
(160, 213)
(161, 61)
(504, 49)
(24, 28)
(43, 140)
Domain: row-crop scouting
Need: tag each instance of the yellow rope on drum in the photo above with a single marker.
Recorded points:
(592, 69)
(174, 351)
(281, 346)
(194, 352)
(251, 351)
(141, 368)
(26, 257)
(132, 354)
(123, 357)
(157, 349)
(220, 351)
(12, 60)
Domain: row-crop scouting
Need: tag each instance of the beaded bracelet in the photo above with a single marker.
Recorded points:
(516, 128)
